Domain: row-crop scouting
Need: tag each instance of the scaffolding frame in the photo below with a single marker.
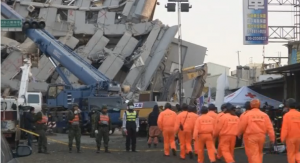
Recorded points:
(284, 34)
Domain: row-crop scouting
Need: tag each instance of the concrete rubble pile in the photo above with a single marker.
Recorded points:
(118, 37)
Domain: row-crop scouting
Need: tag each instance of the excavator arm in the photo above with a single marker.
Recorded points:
(197, 73)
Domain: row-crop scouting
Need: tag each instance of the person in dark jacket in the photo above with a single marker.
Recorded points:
(93, 115)
(29, 120)
(154, 131)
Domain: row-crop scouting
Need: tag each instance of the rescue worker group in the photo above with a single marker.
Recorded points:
(193, 131)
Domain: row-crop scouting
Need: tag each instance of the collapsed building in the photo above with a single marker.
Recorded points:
(118, 37)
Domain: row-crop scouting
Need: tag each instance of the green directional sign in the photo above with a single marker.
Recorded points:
(11, 23)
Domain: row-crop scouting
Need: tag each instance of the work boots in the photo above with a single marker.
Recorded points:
(46, 151)
(98, 149)
(191, 155)
(106, 150)
(174, 152)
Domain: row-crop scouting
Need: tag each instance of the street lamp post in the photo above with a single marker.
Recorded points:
(182, 6)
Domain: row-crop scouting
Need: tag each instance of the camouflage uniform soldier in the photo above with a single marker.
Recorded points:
(103, 126)
(74, 118)
(41, 127)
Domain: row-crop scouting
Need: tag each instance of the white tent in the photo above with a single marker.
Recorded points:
(245, 94)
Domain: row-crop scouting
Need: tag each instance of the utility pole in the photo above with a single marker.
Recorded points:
(238, 53)
(238, 70)
(182, 6)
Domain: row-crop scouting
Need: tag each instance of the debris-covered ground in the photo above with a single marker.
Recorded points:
(59, 153)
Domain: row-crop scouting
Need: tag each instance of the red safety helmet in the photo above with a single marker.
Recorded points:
(255, 103)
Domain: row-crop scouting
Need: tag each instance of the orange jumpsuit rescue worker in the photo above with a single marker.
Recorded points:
(223, 109)
(212, 111)
(166, 124)
(203, 131)
(290, 131)
(184, 125)
(193, 111)
(255, 125)
(227, 130)
(247, 107)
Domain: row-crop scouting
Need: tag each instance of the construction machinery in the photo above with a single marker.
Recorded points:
(197, 73)
(13, 107)
(98, 90)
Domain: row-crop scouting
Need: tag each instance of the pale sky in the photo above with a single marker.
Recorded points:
(218, 25)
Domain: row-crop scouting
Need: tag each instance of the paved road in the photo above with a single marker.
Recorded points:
(59, 153)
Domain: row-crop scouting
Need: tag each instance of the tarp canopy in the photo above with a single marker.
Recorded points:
(245, 94)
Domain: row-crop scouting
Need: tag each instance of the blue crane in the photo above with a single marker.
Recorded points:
(98, 88)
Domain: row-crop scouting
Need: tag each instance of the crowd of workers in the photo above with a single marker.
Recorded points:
(225, 127)
(195, 130)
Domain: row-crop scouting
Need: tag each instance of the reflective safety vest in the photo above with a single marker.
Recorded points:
(75, 119)
(43, 120)
(130, 116)
(103, 119)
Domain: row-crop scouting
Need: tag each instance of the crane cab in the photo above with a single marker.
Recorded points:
(34, 99)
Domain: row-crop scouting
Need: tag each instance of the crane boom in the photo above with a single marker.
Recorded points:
(24, 81)
(65, 56)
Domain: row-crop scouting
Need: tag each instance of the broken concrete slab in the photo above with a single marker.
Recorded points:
(92, 43)
(22, 10)
(80, 25)
(29, 46)
(105, 17)
(9, 42)
(15, 85)
(98, 47)
(45, 69)
(70, 41)
(128, 7)
(111, 65)
(11, 65)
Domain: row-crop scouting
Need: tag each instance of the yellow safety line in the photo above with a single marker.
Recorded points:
(94, 148)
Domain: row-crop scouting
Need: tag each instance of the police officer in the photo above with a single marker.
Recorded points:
(41, 127)
(74, 118)
(93, 115)
(130, 126)
(102, 126)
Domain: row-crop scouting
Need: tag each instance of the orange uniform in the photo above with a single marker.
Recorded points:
(219, 154)
(227, 130)
(187, 121)
(290, 133)
(203, 131)
(195, 116)
(245, 139)
(255, 125)
(166, 124)
(213, 114)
